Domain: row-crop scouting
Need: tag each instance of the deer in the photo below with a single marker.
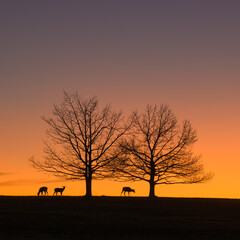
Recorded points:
(127, 189)
(59, 190)
(42, 190)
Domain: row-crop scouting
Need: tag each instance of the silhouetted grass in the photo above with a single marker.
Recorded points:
(118, 218)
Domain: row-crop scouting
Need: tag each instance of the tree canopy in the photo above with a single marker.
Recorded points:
(158, 150)
(82, 140)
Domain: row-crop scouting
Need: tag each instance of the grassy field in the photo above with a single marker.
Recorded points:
(118, 218)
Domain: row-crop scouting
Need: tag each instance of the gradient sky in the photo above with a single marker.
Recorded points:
(128, 53)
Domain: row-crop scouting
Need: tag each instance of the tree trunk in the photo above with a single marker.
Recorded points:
(88, 187)
(151, 181)
(152, 189)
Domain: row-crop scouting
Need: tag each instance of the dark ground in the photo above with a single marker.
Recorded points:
(118, 218)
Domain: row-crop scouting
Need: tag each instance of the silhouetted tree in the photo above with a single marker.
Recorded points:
(159, 151)
(83, 140)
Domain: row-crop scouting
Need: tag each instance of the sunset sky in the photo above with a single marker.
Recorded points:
(128, 53)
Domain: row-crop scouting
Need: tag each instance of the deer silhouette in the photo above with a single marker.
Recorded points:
(42, 190)
(59, 190)
(127, 189)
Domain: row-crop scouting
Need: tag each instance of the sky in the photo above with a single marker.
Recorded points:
(127, 53)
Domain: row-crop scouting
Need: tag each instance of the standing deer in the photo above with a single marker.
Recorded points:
(57, 190)
(42, 190)
(127, 189)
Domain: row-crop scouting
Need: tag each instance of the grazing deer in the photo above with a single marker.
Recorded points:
(127, 189)
(43, 190)
(57, 190)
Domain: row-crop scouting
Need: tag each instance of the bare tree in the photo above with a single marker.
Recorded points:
(159, 151)
(83, 140)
